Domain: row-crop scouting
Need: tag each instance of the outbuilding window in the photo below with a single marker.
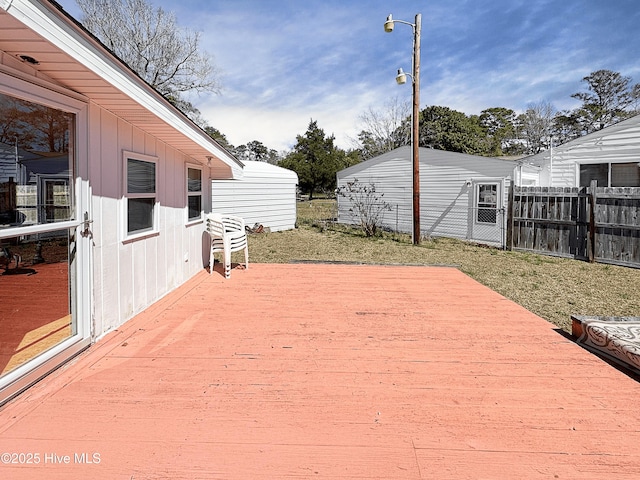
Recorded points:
(194, 193)
(487, 203)
(141, 187)
(610, 174)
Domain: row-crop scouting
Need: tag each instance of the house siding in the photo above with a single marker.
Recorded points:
(130, 275)
(616, 144)
(391, 175)
(111, 278)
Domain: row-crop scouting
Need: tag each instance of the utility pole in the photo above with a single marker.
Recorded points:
(416, 130)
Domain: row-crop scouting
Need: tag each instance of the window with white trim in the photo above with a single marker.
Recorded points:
(194, 193)
(141, 186)
(625, 174)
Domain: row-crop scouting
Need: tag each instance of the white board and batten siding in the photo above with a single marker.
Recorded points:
(263, 194)
(115, 112)
(131, 275)
(447, 185)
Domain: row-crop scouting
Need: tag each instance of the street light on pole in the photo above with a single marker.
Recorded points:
(401, 78)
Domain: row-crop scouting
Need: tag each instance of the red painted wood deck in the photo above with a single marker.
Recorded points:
(329, 372)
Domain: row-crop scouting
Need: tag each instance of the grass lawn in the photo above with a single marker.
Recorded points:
(553, 288)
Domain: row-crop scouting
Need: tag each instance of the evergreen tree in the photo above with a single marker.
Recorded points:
(316, 160)
(445, 129)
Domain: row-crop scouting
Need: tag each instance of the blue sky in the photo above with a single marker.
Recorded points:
(285, 62)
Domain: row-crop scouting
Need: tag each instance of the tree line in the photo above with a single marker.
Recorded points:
(609, 98)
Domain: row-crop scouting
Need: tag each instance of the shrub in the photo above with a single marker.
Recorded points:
(367, 206)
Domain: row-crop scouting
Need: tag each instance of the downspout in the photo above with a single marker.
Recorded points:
(520, 174)
(550, 161)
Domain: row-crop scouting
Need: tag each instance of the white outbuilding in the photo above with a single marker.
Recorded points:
(262, 194)
(461, 196)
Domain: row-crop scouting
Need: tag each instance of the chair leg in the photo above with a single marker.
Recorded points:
(227, 263)
(246, 257)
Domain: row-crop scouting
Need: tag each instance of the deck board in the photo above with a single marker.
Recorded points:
(332, 372)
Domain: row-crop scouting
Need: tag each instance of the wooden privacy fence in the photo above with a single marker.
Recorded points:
(593, 223)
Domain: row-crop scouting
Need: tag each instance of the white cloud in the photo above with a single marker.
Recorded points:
(276, 125)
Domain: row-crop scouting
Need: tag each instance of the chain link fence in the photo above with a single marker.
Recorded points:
(475, 224)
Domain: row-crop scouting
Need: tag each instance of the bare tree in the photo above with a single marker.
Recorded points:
(384, 129)
(149, 40)
(536, 126)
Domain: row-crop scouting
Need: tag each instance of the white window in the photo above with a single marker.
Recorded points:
(487, 203)
(141, 186)
(194, 193)
(610, 174)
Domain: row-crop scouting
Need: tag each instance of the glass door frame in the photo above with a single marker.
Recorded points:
(80, 267)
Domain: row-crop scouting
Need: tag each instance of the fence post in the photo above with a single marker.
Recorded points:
(591, 243)
(510, 221)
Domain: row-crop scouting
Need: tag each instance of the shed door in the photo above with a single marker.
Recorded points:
(487, 213)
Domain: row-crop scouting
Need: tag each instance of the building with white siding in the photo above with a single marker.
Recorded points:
(461, 196)
(611, 156)
(262, 194)
(118, 183)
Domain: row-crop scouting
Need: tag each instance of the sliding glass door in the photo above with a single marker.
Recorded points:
(41, 242)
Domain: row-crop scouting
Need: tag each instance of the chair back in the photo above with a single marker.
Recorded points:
(215, 225)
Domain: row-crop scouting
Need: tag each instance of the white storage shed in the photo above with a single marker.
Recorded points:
(462, 196)
(262, 194)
